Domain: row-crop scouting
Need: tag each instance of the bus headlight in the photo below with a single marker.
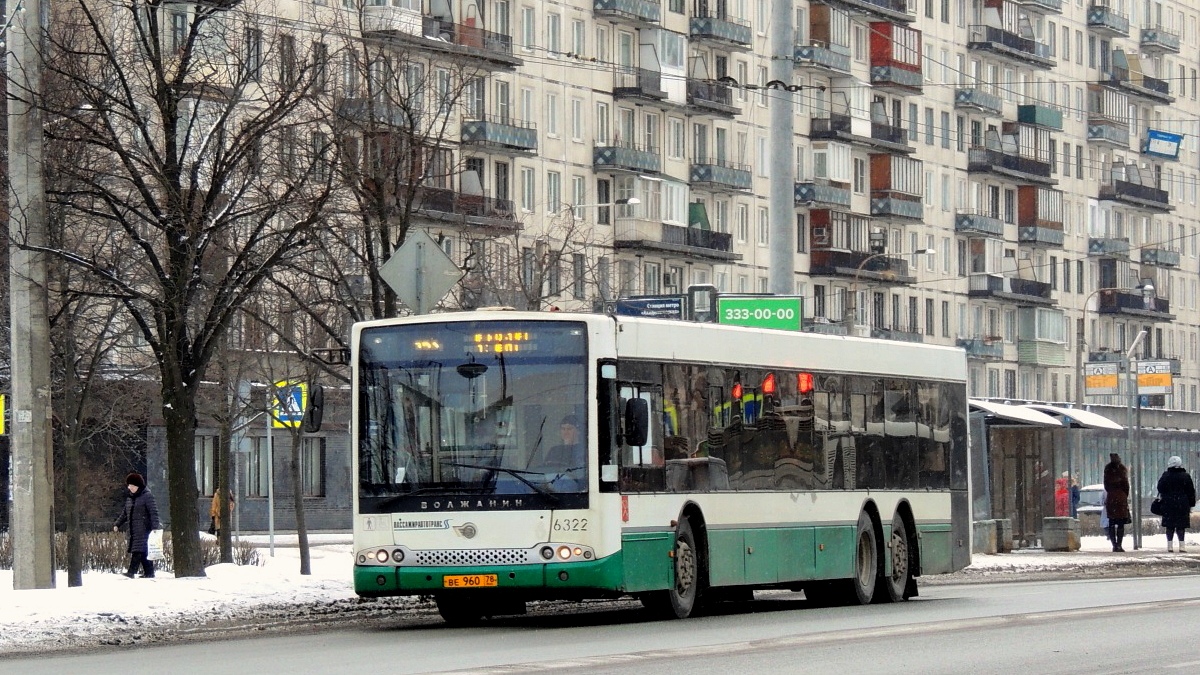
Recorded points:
(564, 552)
(381, 555)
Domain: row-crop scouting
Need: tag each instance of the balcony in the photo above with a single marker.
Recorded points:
(369, 112)
(722, 29)
(823, 326)
(1023, 51)
(1040, 235)
(711, 98)
(1109, 247)
(1138, 85)
(975, 98)
(896, 334)
(504, 134)
(896, 79)
(840, 127)
(481, 46)
(720, 175)
(1040, 115)
(1040, 353)
(888, 10)
(481, 211)
(1137, 195)
(1133, 303)
(979, 222)
(620, 156)
(1039, 216)
(1010, 289)
(823, 59)
(1159, 40)
(1042, 6)
(892, 206)
(895, 58)
(637, 13)
(818, 193)
(863, 266)
(637, 83)
(1161, 257)
(982, 348)
(632, 233)
(1107, 21)
(1106, 131)
(1021, 169)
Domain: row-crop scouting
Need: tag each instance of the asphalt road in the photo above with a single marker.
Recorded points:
(1082, 626)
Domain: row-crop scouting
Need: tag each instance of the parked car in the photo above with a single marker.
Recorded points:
(1091, 499)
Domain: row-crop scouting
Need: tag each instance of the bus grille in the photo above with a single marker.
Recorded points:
(487, 556)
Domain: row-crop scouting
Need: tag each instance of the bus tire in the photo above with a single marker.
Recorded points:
(866, 562)
(679, 601)
(460, 609)
(893, 587)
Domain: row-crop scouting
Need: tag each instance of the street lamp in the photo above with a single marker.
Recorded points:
(851, 315)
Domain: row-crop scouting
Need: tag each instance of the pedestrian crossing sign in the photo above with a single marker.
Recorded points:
(287, 408)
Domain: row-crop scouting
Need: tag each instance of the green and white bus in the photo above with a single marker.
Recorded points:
(710, 461)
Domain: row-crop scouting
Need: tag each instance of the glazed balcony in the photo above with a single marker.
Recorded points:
(888, 10)
(895, 58)
(982, 348)
(979, 222)
(1040, 353)
(1136, 195)
(622, 156)
(1159, 40)
(975, 98)
(504, 134)
(485, 212)
(1133, 303)
(863, 266)
(1142, 86)
(1020, 50)
(728, 31)
(1040, 216)
(720, 175)
(1010, 289)
(818, 193)
(711, 98)
(1105, 131)
(645, 235)
(1042, 116)
(1109, 247)
(1161, 257)
(636, 13)
(823, 59)
(1014, 167)
(637, 83)
(1107, 21)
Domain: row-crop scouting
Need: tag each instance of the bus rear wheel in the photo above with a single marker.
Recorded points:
(866, 562)
(892, 587)
(679, 601)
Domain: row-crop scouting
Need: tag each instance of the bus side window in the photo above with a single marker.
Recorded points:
(641, 467)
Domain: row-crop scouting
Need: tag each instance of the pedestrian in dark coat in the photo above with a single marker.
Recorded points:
(1177, 494)
(1116, 500)
(141, 513)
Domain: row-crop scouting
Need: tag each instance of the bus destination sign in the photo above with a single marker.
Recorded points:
(764, 311)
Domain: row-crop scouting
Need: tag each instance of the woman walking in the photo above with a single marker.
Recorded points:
(1177, 493)
(1116, 500)
(142, 515)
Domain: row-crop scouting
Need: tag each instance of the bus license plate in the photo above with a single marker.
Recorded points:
(469, 581)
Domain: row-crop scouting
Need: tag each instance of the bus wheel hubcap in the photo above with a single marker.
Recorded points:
(685, 568)
(864, 558)
(899, 557)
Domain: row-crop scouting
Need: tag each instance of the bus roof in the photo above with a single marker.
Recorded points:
(709, 342)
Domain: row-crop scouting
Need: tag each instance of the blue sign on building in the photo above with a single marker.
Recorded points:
(1162, 144)
(659, 307)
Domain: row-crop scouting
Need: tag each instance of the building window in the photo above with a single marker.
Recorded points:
(312, 466)
(578, 275)
(528, 188)
(258, 470)
(254, 54)
(764, 226)
(206, 464)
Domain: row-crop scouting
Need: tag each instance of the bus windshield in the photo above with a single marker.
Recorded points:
(493, 410)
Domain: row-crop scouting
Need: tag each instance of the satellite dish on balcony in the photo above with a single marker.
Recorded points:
(469, 183)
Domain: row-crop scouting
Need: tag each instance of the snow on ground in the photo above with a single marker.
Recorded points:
(111, 609)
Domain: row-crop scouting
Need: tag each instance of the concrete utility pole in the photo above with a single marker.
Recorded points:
(32, 522)
(781, 271)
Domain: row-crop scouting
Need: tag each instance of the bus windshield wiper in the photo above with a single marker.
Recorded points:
(515, 473)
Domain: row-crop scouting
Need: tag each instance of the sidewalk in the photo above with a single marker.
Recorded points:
(1095, 554)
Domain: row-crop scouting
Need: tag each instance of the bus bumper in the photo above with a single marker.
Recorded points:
(603, 576)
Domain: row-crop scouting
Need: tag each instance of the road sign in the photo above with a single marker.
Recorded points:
(1101, 378)
(287, 407)
(420, 272)
(1154, 377)
(762, 311)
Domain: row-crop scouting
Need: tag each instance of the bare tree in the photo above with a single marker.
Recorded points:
(190, 188)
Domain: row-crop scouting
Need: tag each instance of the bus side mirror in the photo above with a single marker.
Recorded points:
(315, 410)
(637, 422)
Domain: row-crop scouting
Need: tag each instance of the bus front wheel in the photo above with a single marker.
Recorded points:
(679, 601)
